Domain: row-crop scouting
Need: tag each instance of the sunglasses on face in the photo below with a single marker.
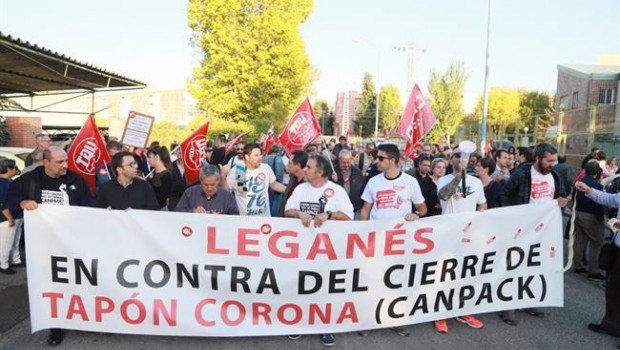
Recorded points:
(382, 158)
(456, 155)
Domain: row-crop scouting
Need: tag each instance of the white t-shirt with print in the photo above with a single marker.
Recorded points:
(543, 187)
(315, 200)
(392, 198)
(459, 203)
(253, 197)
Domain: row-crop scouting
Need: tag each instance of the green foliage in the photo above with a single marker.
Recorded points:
(532, 104)
(503, 110)
(219, 126)
(325, 116)
(254, 64)
(5, 133)
(166, 132)
(366, 107)
(390, 107)
(446, 100)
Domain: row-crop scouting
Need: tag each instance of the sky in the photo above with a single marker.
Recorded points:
(150, 40)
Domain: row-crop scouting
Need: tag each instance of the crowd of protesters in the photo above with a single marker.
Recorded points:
(244, 182)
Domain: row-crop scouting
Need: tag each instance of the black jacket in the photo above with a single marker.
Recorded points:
(357, 184)
(518, 189)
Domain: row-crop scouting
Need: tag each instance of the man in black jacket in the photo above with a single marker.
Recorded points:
(534, 183)
(51, 184)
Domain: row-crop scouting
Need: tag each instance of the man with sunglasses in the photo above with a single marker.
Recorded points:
(391, 194)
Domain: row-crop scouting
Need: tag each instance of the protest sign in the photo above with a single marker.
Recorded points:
(137, 129)
(147, 272)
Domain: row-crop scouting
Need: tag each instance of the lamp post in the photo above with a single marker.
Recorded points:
(360, 41)
(485, 108)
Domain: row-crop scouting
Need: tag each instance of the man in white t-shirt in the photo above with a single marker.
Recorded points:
(320, 200)
(392, 194)
(251, 183)
(460, 193)
(534, 183)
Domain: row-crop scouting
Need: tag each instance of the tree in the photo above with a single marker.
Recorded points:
(366, 107)
(221, 126)
(446, 100)
(322, 113)
(532, 104)
(503, 110)
(390, 108)
(166, 132)
(254, 64)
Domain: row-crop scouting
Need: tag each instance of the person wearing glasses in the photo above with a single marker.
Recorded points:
(392, 194)
(127, 190)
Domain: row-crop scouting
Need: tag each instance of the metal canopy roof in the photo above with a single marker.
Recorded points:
(32, 70)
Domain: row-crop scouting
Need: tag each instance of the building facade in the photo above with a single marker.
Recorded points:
(345, 108)
(586, 107)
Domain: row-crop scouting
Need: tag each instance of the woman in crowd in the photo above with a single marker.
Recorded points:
(611, 167)
(160, 178)
(492, 188)
(428, 186)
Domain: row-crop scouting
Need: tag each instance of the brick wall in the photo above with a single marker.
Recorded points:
(23, 130)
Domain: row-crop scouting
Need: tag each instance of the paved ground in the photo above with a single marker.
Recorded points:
(563, 328)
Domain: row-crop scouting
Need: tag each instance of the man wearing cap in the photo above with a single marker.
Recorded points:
(51, 184)
(458, 195)
(7, 223)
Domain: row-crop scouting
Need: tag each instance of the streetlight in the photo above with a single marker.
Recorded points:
(485, 108)
(360, 41)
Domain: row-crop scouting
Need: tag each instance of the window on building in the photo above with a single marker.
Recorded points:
(575, 99)
(607, 96)
(563, 102)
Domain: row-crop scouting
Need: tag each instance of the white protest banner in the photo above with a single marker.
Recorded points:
(137, 129)
(211, 275)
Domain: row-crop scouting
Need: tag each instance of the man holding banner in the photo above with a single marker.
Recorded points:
(319, 200)
(460, 195)
(534, 183)
(52, 184)
(392, 194)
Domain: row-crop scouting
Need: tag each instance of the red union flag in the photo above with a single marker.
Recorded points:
(88, 152)
(302, 128)
(269, 140)
(193, 151)
(231, 144)
(417, 121)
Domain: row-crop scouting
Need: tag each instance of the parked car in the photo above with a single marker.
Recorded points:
(18, 154)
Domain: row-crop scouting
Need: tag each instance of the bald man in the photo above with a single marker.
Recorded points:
(51, 184)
